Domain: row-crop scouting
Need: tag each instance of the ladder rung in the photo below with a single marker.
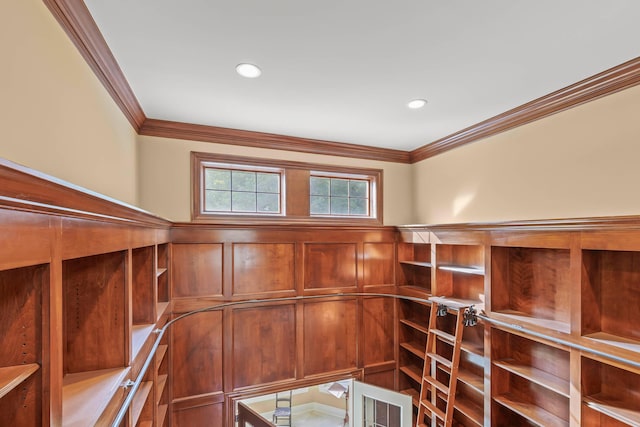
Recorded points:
(444, 335)
(433, 409)
(441, 360)
(437, 384)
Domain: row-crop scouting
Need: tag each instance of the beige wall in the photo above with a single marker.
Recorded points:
(55, 115)
(578, 163)
(165, 176)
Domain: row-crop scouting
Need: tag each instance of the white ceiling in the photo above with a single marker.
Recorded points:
(343, 70)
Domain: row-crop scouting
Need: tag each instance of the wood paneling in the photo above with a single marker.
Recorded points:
(384, 379)
(196, 270)
(329, 331)
(263, 267)
(330, 265)
(196, 342)
(379, 260)
(264, 345)
(378, 320)
(208, 415)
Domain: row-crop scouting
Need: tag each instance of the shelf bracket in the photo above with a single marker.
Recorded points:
(442, 310)
(128, 384)
(470, 316)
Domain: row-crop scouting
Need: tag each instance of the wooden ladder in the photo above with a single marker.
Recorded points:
(432, 389)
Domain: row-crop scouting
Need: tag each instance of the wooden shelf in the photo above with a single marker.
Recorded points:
(415, 325)
(531, 412)
(162, 308)
(617, 410)
(415, 395)
(162, 382)
(13, 376)
(474, 381)
(160, 354)
(414, 348)
(139, 335)
(537, 376)
(424, 264)
(86, 395)
(478, 271)
(162, 415)
(160, 271)
(413, 372)
(521, 318)
(615, 340)
(470, 410)
(139, 400)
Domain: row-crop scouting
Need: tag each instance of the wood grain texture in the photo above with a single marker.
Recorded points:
(142, 286)
(218, 135)
(378, 263)
(94, 300)
(29, 236)
(263, 267)
(77, 22)
(615, 79)
(330, 265)
(378, 331)
(329, 328)
(209, 415)
(196, 270)
(264, 345)
(196, 345)
(23, 405)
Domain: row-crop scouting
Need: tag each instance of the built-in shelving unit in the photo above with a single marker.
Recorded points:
(460, 273)
(415, 266)
(161, 371)
(162, 278)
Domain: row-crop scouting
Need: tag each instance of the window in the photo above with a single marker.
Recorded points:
(234, 188)
(339, 196)
(241, 191)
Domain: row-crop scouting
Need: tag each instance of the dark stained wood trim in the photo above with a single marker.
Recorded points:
(77, 22)
(605, 83)
(24, 189)
(219, 135)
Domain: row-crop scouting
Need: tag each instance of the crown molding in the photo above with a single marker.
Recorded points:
(77, 22)
(193, 132)
(605, 83)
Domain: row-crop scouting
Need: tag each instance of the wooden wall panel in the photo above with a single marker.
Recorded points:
(379, 262)
(208, 415)
(264, 345)
(378, 320)
(384, 379)
(330, 330)
(263, 267)
(196, 342)
(197, 270)
(30, 239)
(330, 265)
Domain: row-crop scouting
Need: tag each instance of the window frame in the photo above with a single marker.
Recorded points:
(295, 178)
(372, 202)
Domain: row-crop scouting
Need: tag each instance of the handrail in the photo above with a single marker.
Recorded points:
(136, 384)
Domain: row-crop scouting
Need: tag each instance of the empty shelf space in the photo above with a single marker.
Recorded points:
(162, 382)
(414, 348)
(474, 381)
(424, 264)
(86, 395)
(412, 372)
(537, 376)
(414, 325)
(531, 412)
(13, 376)
(139, 335)
(616, 341)
(139, 400)
(476, 349)
(162, 414)
(160, 271)
(470, 410)
(162, 308)
(464, 269)
(520, 317)
(620, 411)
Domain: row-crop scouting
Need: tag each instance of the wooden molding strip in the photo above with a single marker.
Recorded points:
(605, 83)
(77, 22)
(193, 132)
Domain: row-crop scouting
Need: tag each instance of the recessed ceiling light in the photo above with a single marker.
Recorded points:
(416, 103)
(249, 71)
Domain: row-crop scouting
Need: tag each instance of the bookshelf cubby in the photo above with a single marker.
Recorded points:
(162, 278)
(460, 272)
(415, 265)
(532, 285)
(610, 283)
(21, 304)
